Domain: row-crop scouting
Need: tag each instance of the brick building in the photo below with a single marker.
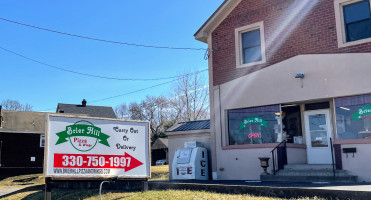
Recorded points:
(295, 72)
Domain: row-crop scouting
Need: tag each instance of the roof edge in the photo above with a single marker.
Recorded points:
(215, 19)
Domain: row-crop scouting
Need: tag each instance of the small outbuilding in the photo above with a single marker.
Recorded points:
(22, 140)
(159, 150)
(193, 131)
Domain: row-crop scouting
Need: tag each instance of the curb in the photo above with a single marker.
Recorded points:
(280, 192)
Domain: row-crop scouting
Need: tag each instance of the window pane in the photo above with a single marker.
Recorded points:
(353, 118)
(356, 11)
(359, 30)
(251, 39)
(254, 125)
(318, 130)
(252, 54)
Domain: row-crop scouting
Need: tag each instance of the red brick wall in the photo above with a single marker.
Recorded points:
(315, 34)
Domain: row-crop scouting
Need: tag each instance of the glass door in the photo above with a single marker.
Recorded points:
(318, 133)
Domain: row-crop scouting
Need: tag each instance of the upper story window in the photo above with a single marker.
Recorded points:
(357, 20)
(250, 47)
(353, 21)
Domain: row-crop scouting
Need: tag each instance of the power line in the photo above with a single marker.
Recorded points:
(103, 40)
(135, 91)
(92, 75)
(120, 95)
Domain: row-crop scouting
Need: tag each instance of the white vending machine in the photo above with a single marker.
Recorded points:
(190, 163)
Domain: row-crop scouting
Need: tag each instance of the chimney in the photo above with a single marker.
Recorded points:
(84, 103)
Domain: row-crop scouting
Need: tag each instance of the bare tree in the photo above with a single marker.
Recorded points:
(191, 97)
(122, 111)
(9, 104)
(157, 110)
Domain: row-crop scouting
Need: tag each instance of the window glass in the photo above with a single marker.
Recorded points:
(357, 18)
(353, 117)
(359, 30)
(356, 12)
(42, 141)
(251, 39)
(251, 46)
(252, 54)
(254, 125)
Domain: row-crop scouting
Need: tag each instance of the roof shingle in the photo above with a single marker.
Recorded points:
(92, 111)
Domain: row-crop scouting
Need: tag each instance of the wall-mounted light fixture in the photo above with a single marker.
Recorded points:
(300, 75)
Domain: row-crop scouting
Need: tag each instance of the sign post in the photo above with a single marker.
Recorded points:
(86, 148)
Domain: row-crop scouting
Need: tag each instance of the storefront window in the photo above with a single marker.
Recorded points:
(254, 125)
(353, 117)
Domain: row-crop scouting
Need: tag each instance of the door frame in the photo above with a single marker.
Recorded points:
(311, 151)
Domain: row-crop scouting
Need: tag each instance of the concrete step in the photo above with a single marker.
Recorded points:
(343, 179)
(317, 172)
(307, 167)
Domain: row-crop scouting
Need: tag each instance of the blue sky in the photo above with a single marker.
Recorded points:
(160, 23)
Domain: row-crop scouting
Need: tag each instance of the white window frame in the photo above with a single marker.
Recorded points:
(41, 138)
(340, 24)
(238, 44)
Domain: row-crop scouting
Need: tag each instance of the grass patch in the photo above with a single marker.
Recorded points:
(23, 180)
(160, 173)
(165, 195)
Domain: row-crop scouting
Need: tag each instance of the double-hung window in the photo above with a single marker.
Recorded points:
(357, 20)
(353, 22)
(250, 47)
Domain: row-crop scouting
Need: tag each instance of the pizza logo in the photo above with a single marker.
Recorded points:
(83, 136)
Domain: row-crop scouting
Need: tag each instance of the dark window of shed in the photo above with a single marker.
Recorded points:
(251, 46)
(357, 19)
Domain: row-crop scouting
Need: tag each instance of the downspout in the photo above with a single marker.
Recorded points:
(1, 117)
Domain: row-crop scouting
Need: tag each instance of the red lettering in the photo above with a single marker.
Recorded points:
(189, 170)
(254, 135)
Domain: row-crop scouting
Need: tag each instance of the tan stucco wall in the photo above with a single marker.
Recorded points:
(326, 77)
(296, 156)
(177, 142)
(360, 164)
(21, 121)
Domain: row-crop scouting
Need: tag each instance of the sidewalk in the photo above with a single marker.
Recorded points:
(357, 191)
(5, 191)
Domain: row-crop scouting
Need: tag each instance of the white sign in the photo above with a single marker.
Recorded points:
(85, 147)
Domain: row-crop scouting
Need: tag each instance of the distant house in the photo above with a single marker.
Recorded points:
(91, 111)
(22, 140)
(159, 150)
(193, 131)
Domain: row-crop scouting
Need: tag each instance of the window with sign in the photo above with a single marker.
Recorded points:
(254, 125)
(353, 117)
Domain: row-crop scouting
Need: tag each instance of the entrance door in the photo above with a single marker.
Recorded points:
(318, 133)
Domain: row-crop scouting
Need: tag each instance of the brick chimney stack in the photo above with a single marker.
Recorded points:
(84, 103)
